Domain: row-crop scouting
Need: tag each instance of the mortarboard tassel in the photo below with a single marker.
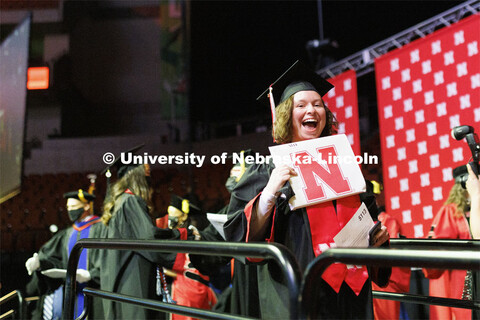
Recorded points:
(272, 107)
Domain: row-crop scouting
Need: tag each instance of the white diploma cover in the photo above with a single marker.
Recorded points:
(355, 233)
(218, 220)
(55, 273)
(326, 169)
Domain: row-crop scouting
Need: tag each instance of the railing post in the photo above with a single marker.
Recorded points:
(282, 256)
(70, 288)
(439, 259)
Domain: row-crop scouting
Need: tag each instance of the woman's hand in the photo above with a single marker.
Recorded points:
(473, 188)
(472, 184)
(279, 176)
(380, 237)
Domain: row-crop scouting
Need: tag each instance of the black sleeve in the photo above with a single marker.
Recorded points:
(209, 265)
(250, 185)
(94, 262)
(368, 197)
(54, 253)
(135, 223)
(380, 276)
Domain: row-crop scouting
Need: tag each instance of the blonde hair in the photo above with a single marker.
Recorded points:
(458, 196)
(135, 181)
(282, 128)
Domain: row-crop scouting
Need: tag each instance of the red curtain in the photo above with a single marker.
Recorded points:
(424, 89)
(343, 102)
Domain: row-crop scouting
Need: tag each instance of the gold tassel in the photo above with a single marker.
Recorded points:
(81, 196)
(185, 206)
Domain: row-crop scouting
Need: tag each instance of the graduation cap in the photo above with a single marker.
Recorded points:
(238, 170)
(81, 195)
(298, 77)
(459, 171)
(122, 169)
(460, 174)
(184, 205)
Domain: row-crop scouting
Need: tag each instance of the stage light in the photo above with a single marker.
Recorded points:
(38, 78)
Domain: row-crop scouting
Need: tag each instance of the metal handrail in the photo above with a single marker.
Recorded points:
(439, 259)
(9, 296)
(279, 253)
(160, 306)
(443, 244)
(427, 300)
(435, 244)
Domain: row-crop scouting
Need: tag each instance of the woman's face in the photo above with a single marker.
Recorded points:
(308, 116)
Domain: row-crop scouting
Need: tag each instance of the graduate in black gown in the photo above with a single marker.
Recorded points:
(126, 216)
(241, 298)
(259, 210)
(55, 253)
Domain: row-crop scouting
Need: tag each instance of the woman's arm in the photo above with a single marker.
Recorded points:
(473, 187)
(266, 202)
(244, 218)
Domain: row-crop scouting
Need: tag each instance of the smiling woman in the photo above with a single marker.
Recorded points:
(259, 209)
(308, 115)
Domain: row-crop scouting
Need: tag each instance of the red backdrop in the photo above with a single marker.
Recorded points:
(425, 89)
(343, 102)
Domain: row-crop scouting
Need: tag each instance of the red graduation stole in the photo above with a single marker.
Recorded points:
(325, 223)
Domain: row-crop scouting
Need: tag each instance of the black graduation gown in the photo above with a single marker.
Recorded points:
(40, 285)
(132, 272)
(55, 254)
(292, 230)
(241, 298)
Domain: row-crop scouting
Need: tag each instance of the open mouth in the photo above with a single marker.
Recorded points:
(310, 124)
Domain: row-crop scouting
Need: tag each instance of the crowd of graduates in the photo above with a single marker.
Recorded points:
(258, 211)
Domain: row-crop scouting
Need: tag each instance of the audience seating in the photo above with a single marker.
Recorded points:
(26, 218)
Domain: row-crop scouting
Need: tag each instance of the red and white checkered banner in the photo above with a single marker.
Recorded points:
(343, 102)
(425, 89)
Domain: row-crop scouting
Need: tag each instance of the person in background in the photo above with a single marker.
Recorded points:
(241, 297)
(399, 280)
(182, 213)
(450, 223)
(134, 272)
(473, 188)
(190, 288)
(259, 210)
(55, 253)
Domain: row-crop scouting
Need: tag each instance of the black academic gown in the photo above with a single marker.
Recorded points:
(55, 254)
(40, 285)
(292, 230)
(241, 298)
(132, 272)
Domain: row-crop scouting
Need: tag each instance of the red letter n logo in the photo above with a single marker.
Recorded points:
(317, 175)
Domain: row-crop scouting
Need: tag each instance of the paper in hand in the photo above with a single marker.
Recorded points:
(55, 273)
(218, 220)
(355, 233)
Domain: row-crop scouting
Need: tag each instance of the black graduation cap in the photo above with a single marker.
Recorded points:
(243, 165)
(81, 195)
(122, 169)
(246, 152)
(184, 205)
(297, 78)
(459, 171)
